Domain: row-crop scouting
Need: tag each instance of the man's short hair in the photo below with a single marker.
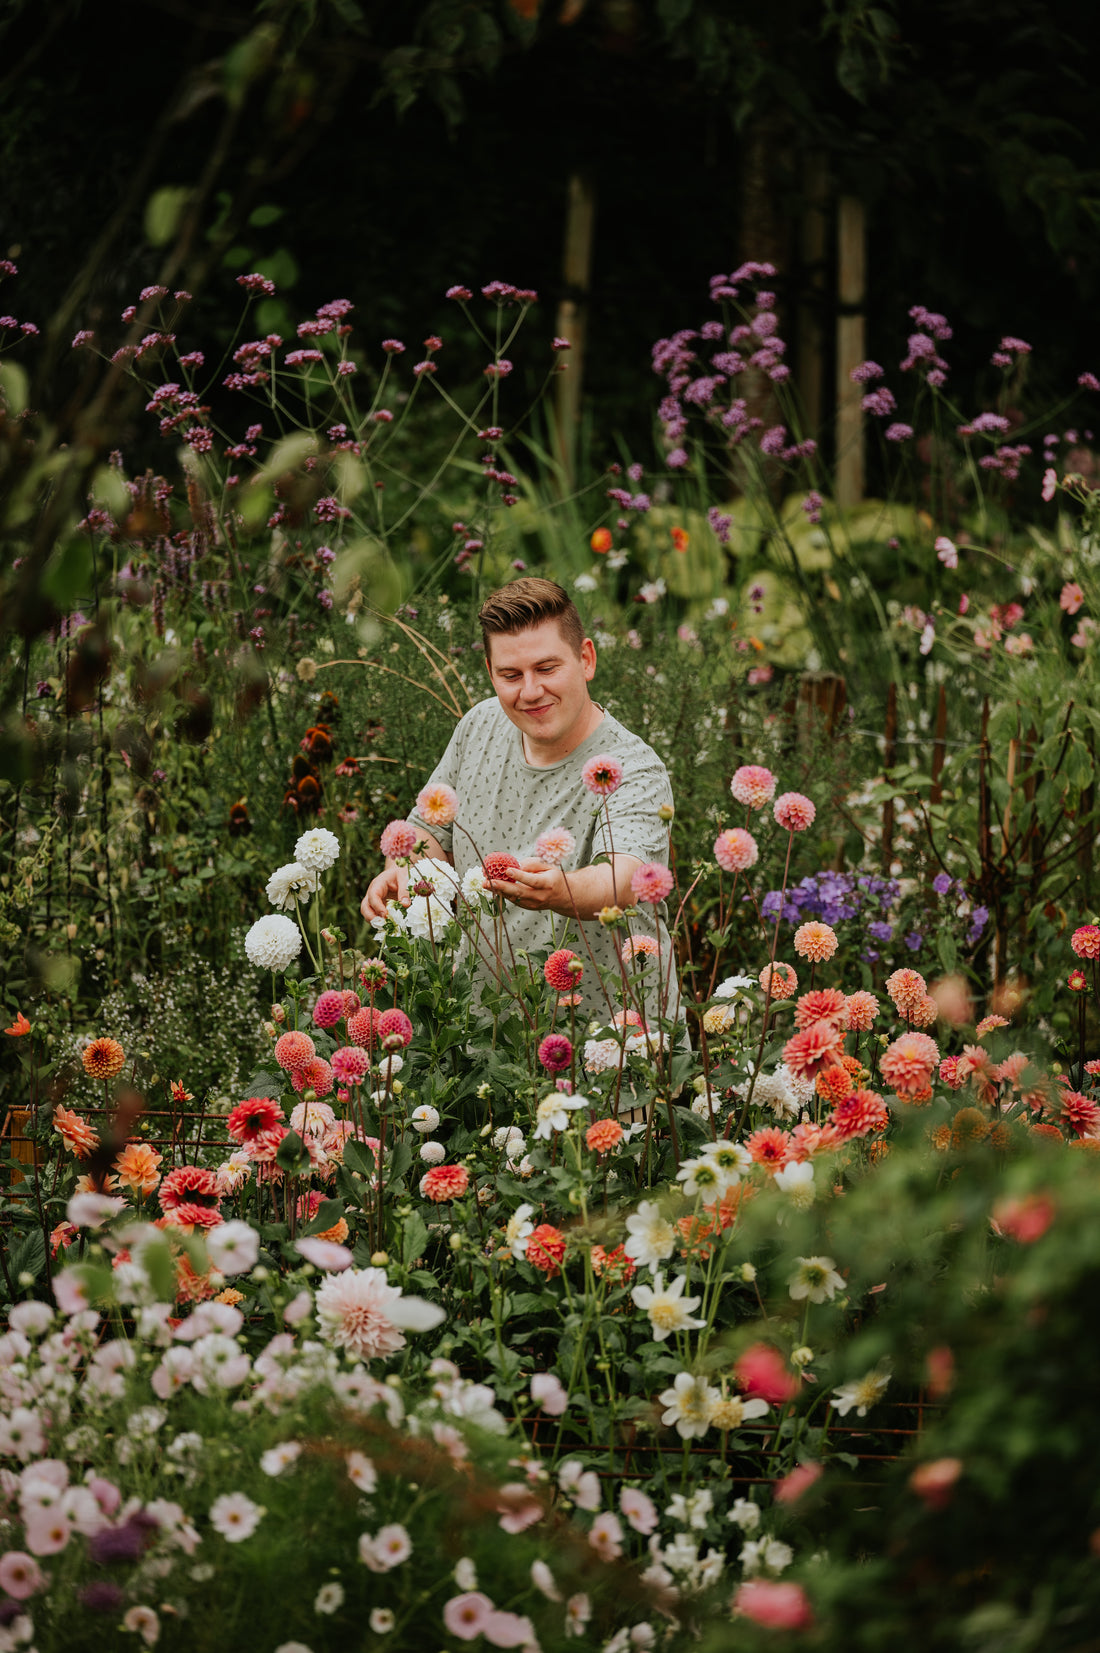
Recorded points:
(527, 603)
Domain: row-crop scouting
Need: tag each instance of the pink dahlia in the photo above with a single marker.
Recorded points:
(907, 988)
(555, 1053)
(546, 1249)
(860, 1012)
(437, 804)
(563, 970)
(316, 1076)
(909, 1062)
(1085, 941)
(1080, 1113)
(638, 949)
(735, 850)
(294, 1050)
(782, 979)
(859, 1114)
(363, 1027)
(445, 1182)
(952, 1073)
(361, 1312)
(813, 1048)
(192, 1185)
(769, 1147)
(497, 866)
(826, 1004)
(794, 811)
(602, 775)
(398, 840)
(753, 785)
(651, 883)
(815, 941)
(251, 1119)
(394, 1028)
(988, 1023)
(350, 1063)
(553, 846)
(762, 1371)
(329, 1009)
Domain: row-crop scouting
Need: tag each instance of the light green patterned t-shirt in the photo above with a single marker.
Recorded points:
(506, 803)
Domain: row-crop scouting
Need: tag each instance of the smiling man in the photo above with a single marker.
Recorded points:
(517, 763)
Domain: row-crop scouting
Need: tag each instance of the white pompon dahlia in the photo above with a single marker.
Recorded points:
(361, 1312)
(317, 849)
(273, 942)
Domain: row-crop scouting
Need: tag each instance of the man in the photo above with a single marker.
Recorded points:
(517, 765)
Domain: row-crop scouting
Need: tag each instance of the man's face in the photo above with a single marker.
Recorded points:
(543, 687)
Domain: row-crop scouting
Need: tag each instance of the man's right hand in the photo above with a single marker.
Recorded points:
(390, 885)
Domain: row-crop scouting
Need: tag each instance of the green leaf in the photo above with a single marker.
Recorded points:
(946, 950)
(67, 577)
(292, 1156)
(260, 217)
(359, 1158)
(400, 1160)
(414, 1239)
(328, 1215)
(163, 211)
(262, 1083)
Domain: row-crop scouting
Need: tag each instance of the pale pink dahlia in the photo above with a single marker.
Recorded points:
(908, 989)
(640, 948)
(553, 846)
(398, 840)
(908, 1063)
(815, 941)
(353, 1311)
(651, 883)
(437, 804)
(794, 811)
(735, 850)
(753, 785)
(784, 982)
(814, 1048)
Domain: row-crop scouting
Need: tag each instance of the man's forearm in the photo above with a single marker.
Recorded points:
(588, 890)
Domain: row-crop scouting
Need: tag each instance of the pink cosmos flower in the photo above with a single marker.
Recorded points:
(398, 840)
(437, 804)
(1050, 484)
(947, 552)
(20, 1575)
(775, 1605)
(790, 1489)
(753, 785)
(602, 775)
(606, 1536)
(465, 1616)
(1072, 597)
(651, 883)
(735, 850)
(548, 1393)
(639, 1509)
(794, 811)
(555, 845)
(509, 1629)
(518, 1507)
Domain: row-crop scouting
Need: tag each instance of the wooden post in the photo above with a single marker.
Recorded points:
(810, 351)
(850, 348)
(572, 318)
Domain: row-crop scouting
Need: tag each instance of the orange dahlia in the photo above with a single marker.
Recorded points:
(546, 1249)
(103, 1058)
(602, 1135)
(136, 1168)
(77, 1135)
(815, 941)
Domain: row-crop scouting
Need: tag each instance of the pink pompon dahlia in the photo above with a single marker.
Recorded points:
(555, 845)
(445, 1182)
(373, 977)
(329, 1009)
(907, 988)
(813, 1048)
(735, 850)
(651, 883)
(753, 785)
(602, 775)
(294, 1051)
(498, 866)
(782, 979)
(825, 1004)
(316, 1076)
(908, 1064)
(860, 1012)
(437, 803)
(350, 1063)
(1085, 941)
(363, 1027)
(563, 970)
(394, 1028)
(555, 1053)
(251, 1118)
(398, 840)
(794, 811)
(638, 949)
(860, 1113)
(815, 941)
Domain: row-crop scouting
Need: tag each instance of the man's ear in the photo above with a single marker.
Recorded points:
(588, 658)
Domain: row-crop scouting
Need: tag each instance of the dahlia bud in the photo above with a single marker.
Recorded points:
(666, 812)
(609, 915)
(802, 1356)
(278, 1014)
(379, 1259)
(748, 1273)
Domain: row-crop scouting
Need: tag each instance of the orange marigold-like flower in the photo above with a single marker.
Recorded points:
(834, 1083)
(826, 1004)
(784, 982)
(815, 941)
(445, 1182)
(103, 1058)
(1050, 1133)
(907, 1064)
(941, 1138)
(907, 988)
(75, 1132)
(546, 1249)
(603, 1134)
(230, 1295)
(860, 1012)
(968, 1126)
(136, 1167)
(859, 1114)
(19, 1026)
(338, 1233)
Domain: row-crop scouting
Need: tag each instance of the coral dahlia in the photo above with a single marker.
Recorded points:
(794, 811)
(252, 1118)
(563, 970)
(753, 785)
(782, 979)
(815, 941)
(546, 1248)
(104, 1058)
(825, 1004)
(908, 1063)
(445, 1182)
(294, 1051)
(602, 775)
(75, 1132)
(735, 850)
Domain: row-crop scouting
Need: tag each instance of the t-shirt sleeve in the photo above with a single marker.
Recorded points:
(446, 771)
(636, 827)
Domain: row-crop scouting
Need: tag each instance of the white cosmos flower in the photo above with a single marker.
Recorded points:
(233, 1247)
(519, 1230)
(318, 849)
(273, 942)
(290, 881)
(542, 1578)
(731, 1157)
(815, 1278)
(667, 1307)
(235, 1516)
(553, 1112)
(280, 1457)
(796, 1180)
(861, 1394)
(329, 1598)
(690, 1404)
(650, 1236)
(93, 1210)
(582, 1485)
(361, 1472)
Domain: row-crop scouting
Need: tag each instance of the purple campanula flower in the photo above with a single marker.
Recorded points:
(914, 941)
(880, 930)
(979, 918)
(941, 883)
